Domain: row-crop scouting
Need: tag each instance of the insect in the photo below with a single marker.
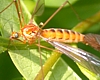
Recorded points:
(83, 58)
(30, 32)
(93, 40)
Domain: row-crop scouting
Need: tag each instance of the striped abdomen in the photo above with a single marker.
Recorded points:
(62, 35)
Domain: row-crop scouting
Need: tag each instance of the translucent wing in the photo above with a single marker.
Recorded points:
(39, 8)
(93, 40)
(83, 58)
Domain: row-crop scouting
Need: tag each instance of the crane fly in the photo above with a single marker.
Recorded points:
(83, 58)
(31, 32)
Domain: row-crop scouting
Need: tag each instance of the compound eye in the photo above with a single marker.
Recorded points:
(16, 35)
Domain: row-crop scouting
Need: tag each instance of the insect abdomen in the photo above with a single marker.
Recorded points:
(62, 35)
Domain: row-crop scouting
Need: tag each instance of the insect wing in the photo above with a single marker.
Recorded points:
(83, 58)
(39, 8)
